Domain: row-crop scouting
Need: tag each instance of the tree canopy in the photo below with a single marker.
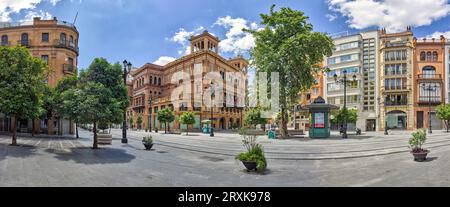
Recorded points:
(166, 116)
(443, 113)
(187, 118)
(22, 83)
(288, 45)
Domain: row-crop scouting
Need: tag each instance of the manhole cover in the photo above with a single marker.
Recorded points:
(212, 159)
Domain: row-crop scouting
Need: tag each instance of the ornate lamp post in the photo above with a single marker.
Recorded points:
(385, 116)
(429, 88)
(150, 102)
(126, 70)
(344, 82)
(212, 110)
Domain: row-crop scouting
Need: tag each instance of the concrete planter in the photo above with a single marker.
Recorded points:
(420, 156)
(104, 139)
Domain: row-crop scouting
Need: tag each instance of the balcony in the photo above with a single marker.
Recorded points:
(395, 88)
(67, 45)
(24, 43)
(429, 76)
(69, 69)
(430, 100)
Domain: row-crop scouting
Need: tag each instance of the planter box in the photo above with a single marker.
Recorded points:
(104, 139)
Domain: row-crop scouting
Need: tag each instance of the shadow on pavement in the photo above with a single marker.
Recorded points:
(20, 151)
(90, 156)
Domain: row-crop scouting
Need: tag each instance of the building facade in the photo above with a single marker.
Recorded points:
(355, 55)
(301, 121)
(56, 43)
(447, 70)
(429, 81)
(396, 78)
(165, 86)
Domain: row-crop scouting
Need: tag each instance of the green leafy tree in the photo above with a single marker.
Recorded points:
(100, 96)
(443, 113)
(187, 118)
(22, 82)
(350, 114)
(131, 121)
(288, 45)
(67, 111)
(139, 121)
(253, 118)
(166, 116)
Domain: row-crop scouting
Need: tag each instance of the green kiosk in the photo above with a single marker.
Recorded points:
(319, 118)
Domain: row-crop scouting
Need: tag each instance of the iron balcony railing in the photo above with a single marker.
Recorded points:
(429, 76)
(30, 23)
(394, 88)
(432, 99)
(69, 68)
(396, 103)
(67, 44)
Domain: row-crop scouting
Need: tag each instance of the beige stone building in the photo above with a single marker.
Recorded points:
(396, 92)
(160, 83)
(56, 43)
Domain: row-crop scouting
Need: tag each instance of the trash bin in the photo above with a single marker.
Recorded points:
(271, 134)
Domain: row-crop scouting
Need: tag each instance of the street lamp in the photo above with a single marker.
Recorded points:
(430, 88)
(150, 102)
(385, 117)
(212, 109)
(126, 70)
(344, 82)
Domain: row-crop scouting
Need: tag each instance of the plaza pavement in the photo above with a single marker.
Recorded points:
(199, 160)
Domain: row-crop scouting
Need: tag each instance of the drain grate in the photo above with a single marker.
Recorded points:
(161, 152)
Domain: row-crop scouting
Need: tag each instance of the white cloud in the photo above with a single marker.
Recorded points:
(164, 60)
(394, 15)
(8, 7)
(331, 17)
(236, 40)
(31, 14)
(437, 35)
(182, 37)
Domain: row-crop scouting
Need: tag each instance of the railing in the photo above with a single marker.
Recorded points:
(428, 99)
(66, 44)
(69, 68)
(401, 103)
(429, 76)
(30, 23)
(392, 88)
(24, 43)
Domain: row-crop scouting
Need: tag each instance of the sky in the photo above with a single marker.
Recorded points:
(157, 31)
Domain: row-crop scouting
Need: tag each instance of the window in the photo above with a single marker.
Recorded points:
(428, 72)
(24, 40)
(45, 59)
(428, 56)
(63, 38)
(423, 56)
(45, 37)
(5, 40)
(435, 56)
(430, 92)
(159, 81)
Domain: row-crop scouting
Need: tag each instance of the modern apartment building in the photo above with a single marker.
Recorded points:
(429, 81)
(56, 43)
(159, 83)
(355, 55)
(396, 79)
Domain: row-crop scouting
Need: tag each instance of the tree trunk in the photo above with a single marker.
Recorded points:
(187, 130)
(165, 128)
(33, 128)
(95, 146)
(76, 130)
(60, 126)
(14, 135)
(448, 125)
(284, 130)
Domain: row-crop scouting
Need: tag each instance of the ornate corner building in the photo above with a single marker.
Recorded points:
(56, 43)
(152, 87)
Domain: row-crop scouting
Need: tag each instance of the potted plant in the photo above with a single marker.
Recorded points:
(156, 129)
(254, 159)
(419, 138)
(148, 142)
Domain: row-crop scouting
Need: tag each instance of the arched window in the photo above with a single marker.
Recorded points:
(423, 56)
(428, 56)
(5, 40)
(155, 80)
(428, 72)
(24, 39)
(151, 79)
(71, 43)
(63, 38)
(435, 56)
(159, 81)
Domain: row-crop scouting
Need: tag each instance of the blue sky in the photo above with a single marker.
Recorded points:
(142, 31)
